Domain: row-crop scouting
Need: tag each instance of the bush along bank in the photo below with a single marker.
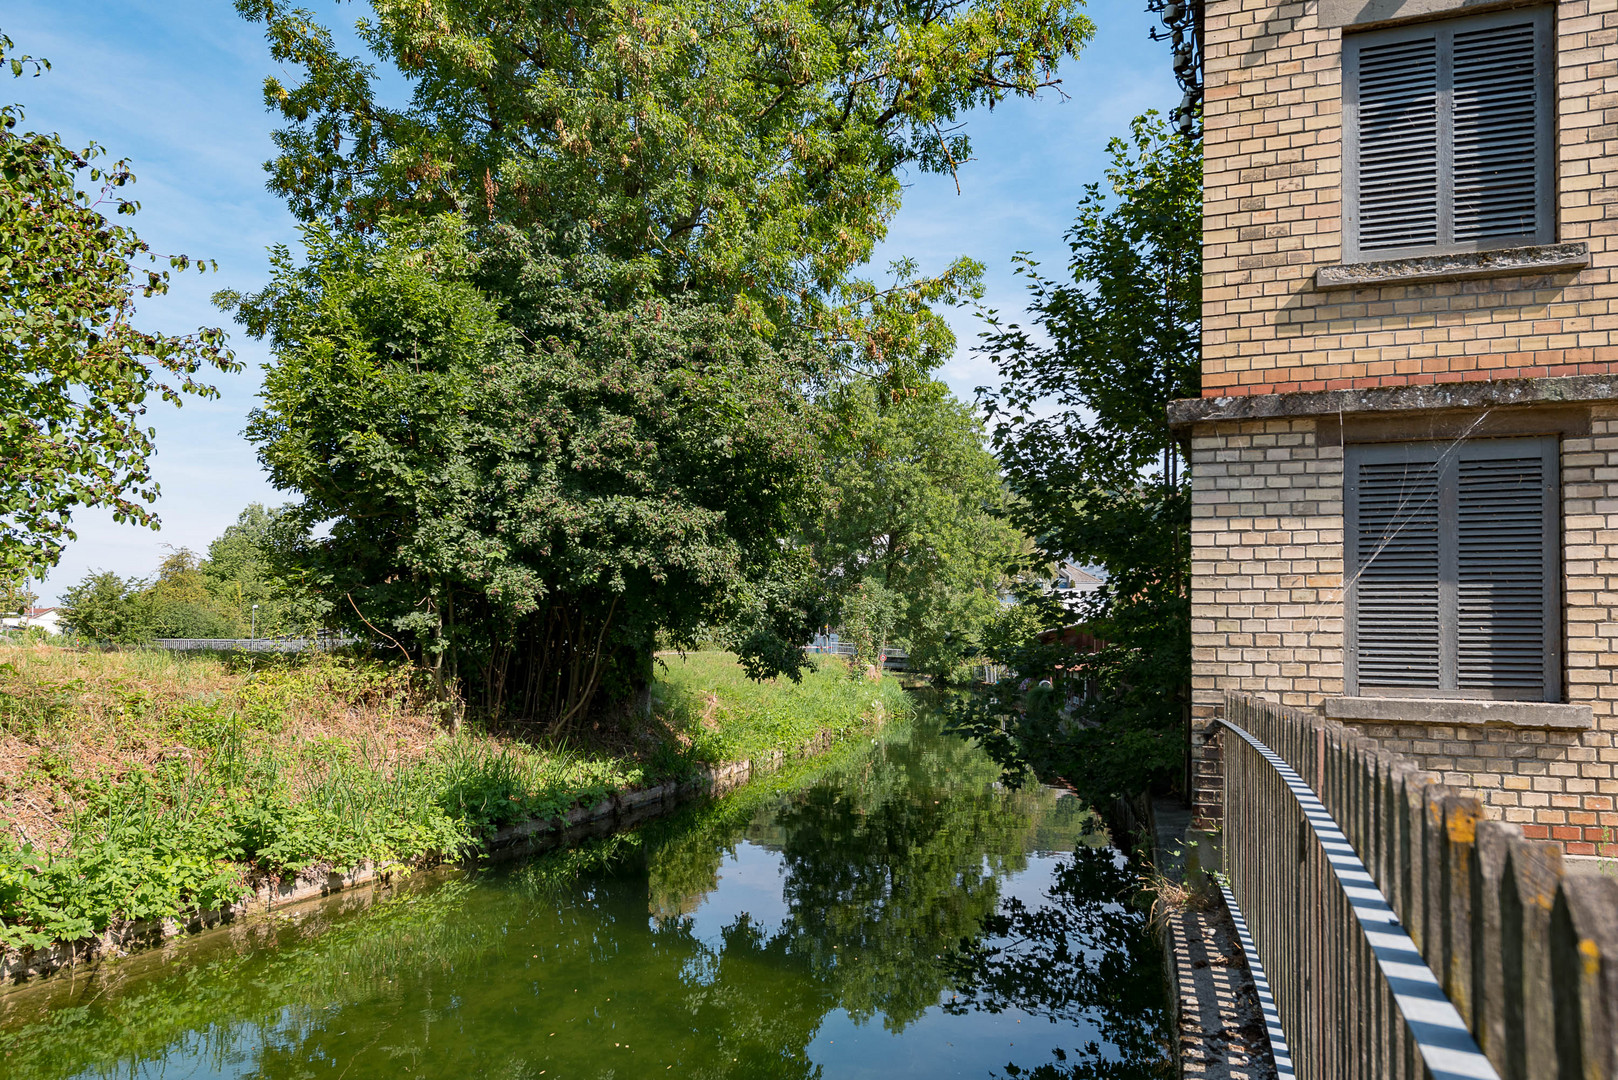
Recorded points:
(143, 792)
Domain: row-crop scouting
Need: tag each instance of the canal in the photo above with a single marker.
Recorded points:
(887, 910)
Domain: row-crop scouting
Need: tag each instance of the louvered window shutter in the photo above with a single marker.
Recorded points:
(1496, 153)
(1396, 631)
(1454, 570)
(1447, 139)
(1506, 591)
(1398, 144)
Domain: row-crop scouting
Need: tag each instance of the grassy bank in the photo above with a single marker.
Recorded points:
(144, 784)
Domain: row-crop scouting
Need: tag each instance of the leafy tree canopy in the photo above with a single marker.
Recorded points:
(744, 149)
(1082, 406)
(173, 604)
(179, 603)
(241, 572)
(106, 607)
(75, 373)
(549, 372)
(195, 597)
(16, 598)
(521, 483)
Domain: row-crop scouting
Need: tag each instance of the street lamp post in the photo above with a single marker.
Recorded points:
(253, 632)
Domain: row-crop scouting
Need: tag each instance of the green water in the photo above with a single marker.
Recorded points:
(885, 911)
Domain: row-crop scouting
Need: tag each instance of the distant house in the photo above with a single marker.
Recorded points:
(1075, 579)
(1076, 637)
(1072, 583)
(47, 619)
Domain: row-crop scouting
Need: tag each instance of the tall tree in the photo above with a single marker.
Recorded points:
(179, 604)
(1080, 422)
(240, 576)
(913, 536)
(193, 597)
(75, 373)
(577, 418)
(748, 149)
(523, 484)
(106, 607)
(16, 598)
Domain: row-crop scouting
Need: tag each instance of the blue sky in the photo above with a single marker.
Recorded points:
(175, 86)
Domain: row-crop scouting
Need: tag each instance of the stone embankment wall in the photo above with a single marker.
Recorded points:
(1524, 946)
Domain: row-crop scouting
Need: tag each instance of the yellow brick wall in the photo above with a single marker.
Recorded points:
(1273, 137)
(1266, 575)
(1266, 564)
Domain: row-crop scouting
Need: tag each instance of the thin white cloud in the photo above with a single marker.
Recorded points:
(1033, 160)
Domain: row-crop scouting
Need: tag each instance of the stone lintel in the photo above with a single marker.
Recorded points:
(1489, 394)
(1362, 12)
(1462, 266)
(1460, 711)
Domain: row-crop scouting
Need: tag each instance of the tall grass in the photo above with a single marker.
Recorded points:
(726, 716)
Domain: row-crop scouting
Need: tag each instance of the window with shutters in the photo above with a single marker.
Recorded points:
(1452, 556)
(1447, 136)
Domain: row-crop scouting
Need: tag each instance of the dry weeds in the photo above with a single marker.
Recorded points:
(73, 714)
(1170, 897)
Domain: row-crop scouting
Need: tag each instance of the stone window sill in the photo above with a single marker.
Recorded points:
(1501, 262)
(1460, 711)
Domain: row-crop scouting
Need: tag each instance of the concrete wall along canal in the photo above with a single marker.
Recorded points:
(1522, 942)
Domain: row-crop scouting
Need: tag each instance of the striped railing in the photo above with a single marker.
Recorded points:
(1403, 933)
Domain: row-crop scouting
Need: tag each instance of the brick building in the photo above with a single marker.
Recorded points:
(1405, 461)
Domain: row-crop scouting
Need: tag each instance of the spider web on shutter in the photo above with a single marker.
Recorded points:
(1396, 627)
(1496, 132)
(1398, 144)
(1500, 593)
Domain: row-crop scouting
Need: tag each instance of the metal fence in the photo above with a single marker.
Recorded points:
(892, 659)
(264, 645)
(1405, 935)
(991, 674)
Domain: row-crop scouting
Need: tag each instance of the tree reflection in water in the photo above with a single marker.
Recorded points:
(892, 860)
(1088, 954)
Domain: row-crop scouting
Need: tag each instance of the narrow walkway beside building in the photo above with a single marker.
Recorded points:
(1219, 1027)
